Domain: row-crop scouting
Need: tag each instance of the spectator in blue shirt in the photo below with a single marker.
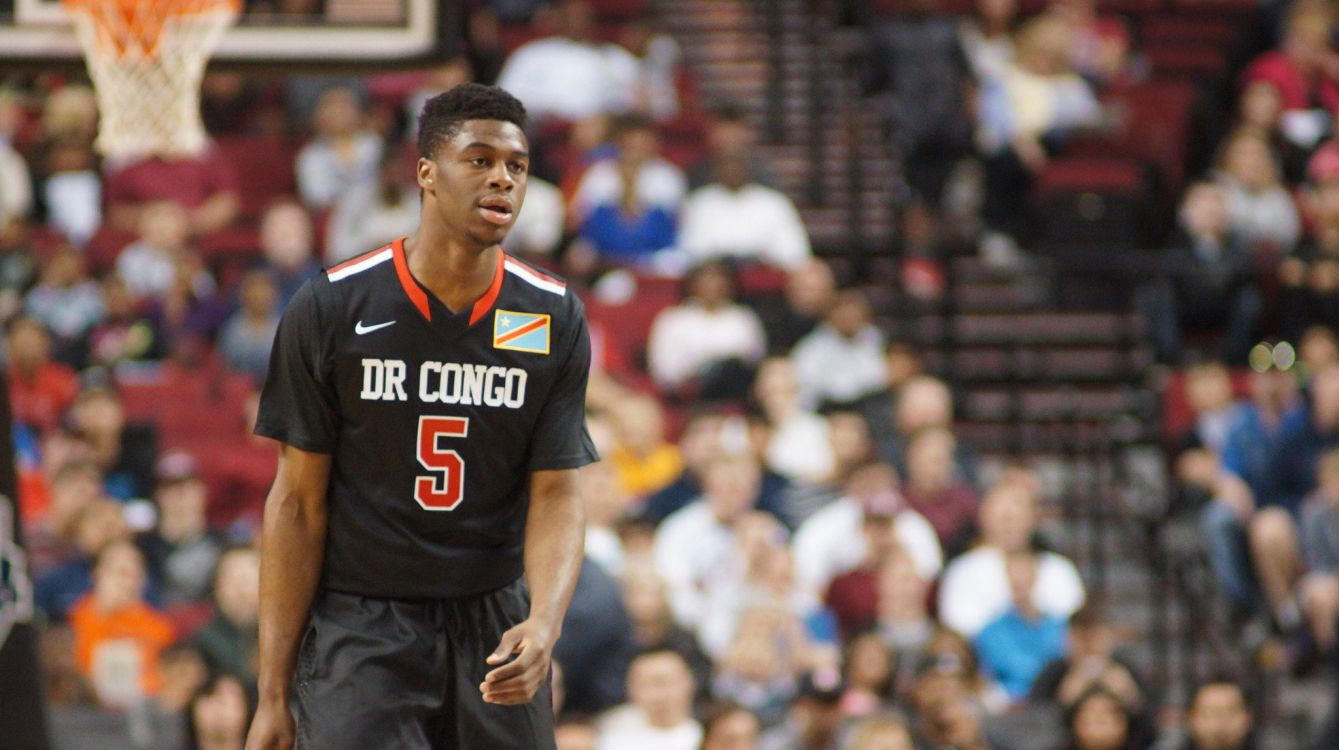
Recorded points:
(1016, 646)
(1253, 431)
(1290, 477)
(1291, 473)
(626, 208)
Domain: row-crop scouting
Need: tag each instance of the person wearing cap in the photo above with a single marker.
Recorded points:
(831, 541)
(181, 550)
(865, 595)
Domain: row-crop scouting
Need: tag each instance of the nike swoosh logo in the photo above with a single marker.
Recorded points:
(361, 329)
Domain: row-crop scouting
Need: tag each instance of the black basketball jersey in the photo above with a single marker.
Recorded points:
(434, 419)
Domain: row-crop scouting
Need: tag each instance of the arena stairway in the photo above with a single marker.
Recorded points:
(782, 61)
(1070, 388)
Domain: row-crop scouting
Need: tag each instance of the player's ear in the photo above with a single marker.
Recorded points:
(426, 171)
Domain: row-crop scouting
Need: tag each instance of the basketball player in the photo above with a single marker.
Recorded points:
(429, 397)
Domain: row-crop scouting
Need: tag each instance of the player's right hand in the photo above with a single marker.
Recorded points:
(272, 729)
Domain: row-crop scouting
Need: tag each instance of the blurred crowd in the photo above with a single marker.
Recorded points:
(788, 547)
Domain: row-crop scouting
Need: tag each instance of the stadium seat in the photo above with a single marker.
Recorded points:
(513, 35)
(757, 279)
(265, 164)
(627, 325)
(104, 246)
(620, 10)
(1091, 201)
(1217, 8)
(1161, 30)
(1131, 7)
(1153, 126)
(1178, 60)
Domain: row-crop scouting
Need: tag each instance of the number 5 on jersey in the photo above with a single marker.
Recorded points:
(445, 487)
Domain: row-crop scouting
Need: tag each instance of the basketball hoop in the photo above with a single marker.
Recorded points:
(146, 58)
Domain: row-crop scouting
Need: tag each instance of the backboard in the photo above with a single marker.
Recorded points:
(330, 31)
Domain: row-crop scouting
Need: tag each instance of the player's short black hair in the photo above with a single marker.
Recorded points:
(443, 114)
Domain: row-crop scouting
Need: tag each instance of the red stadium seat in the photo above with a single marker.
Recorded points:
(1177, 60)
(757, 279)
(1217, 8)
(620, 10)
(1154, 127)
(1091, 201)
(104, 246)
(265, 166)
(627, 325)
(1131, 7)
(1170, 30)
(513, 35)
(1112, 174)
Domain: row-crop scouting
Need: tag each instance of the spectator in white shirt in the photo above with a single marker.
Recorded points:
(73, 190)
(842, 361)
(693, 339)
(16, 195)
(1259, 206)
(659, 711)
(799, 446)
(695, 547)
(374, 213)
(65, 299)
(734, 217)
(571, 75)
(975, 588)
(831, 542)
(626, 208)
(539, 225)
(148, 266)
(343, 153)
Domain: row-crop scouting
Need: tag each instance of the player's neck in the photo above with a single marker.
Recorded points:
(455, 274)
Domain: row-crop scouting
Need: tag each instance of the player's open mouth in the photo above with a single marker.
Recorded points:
(496, 209)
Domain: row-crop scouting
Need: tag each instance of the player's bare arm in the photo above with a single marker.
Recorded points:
(292, 548)
(554, 545)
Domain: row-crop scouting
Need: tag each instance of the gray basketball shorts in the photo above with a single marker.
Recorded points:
(386, 674)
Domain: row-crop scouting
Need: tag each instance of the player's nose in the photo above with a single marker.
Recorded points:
(501, 178)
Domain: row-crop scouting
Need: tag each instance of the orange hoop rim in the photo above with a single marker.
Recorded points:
(124, 26)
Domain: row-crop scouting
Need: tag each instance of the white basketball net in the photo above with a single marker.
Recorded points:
(147, 59)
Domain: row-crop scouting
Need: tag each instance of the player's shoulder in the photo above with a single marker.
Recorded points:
(347, 282)
(356, 269)
(538, 288)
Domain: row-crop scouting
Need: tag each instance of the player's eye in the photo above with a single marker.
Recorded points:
(479, 161)
(518, 167)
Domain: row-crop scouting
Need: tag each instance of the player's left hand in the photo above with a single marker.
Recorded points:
(517, 681)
